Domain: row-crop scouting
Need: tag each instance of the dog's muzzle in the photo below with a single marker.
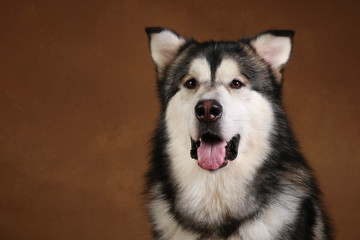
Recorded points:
(211, 150)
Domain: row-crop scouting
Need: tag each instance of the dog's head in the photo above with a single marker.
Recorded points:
(217, 97)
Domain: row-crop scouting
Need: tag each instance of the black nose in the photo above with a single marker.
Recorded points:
(208, 111)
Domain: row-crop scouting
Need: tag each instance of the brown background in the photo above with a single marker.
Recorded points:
(78, 104)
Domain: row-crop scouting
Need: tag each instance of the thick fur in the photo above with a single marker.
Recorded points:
(268, 191)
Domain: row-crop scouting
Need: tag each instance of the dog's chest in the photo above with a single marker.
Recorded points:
(211, 198)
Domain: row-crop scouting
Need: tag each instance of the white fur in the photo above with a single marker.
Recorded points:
(273, 49)
(271, 221)
(164, 46)
(163, 221)
(227, 71)
(209, 196)
(200, 70)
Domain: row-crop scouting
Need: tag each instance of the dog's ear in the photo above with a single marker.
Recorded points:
(274, 46)
(164, 44)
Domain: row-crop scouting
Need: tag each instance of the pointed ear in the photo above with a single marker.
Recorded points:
(274, 47)
(164, 44)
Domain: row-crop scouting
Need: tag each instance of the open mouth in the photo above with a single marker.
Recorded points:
(213, 152)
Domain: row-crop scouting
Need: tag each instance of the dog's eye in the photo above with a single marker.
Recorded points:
(236, 84)
(190, 84)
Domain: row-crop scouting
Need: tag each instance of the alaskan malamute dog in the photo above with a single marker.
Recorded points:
(225, 164)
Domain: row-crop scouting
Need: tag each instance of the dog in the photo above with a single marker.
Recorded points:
(224, 162)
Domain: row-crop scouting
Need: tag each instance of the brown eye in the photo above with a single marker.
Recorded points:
(190, 84)
(236, 84)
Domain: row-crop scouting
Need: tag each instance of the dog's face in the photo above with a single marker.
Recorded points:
(217, 96)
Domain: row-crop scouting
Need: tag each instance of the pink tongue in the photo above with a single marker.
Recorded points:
(211, 156)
